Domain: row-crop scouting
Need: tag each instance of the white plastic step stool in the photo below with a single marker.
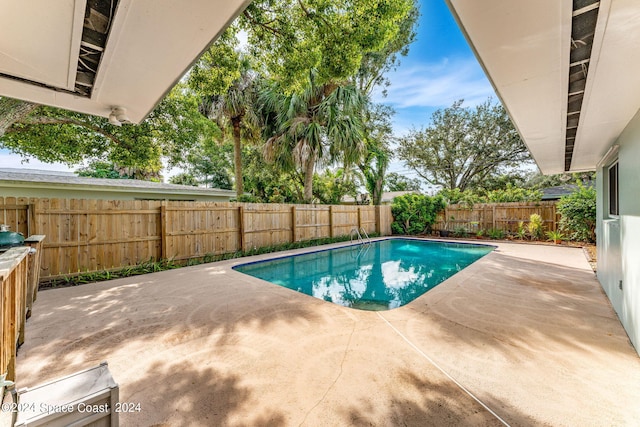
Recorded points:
(86, 398)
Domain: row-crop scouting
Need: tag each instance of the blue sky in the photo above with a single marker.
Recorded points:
(439, 70)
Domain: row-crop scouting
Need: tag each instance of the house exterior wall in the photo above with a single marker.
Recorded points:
(618, 238)
(12, 190)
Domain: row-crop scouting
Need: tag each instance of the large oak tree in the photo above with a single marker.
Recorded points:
(464, 146)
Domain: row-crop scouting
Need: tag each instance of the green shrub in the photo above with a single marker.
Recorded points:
(555, 236)
(460, 232)
(512, 194)
(495, 234)
(536, 227)
(247, 198)
(578, 211)
(467, 197)
(415, 213)
(508, 194)
(521, 232)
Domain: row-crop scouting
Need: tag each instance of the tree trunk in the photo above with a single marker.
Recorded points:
(376, 197)
(237, 155)
(308, 179)
(12, 111)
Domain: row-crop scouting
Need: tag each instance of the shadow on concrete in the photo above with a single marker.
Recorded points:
(156, 313)
(179, 395)
(439, 404)
(512, 303)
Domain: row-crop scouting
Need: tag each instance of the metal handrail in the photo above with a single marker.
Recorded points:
(365, 235)
(359, 237)
(361, 240)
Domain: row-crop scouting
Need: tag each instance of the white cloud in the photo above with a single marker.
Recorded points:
(437, 85)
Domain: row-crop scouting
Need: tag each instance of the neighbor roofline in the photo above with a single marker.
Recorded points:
(13, 183)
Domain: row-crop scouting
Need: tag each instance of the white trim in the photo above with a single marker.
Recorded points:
(611, 153)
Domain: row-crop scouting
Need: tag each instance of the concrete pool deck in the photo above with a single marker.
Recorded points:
(526, 331)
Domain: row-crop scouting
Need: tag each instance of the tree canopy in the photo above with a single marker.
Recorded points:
(291, 37)
(396, 182)
(55, 135)
(464, 146)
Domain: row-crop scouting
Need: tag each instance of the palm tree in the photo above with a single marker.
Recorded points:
(320, 124)
(377, 134)
(235, 109)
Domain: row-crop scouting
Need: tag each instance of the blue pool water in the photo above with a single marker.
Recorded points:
(383, 275)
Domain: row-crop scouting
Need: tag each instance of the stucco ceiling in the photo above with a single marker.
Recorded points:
(147, 47)
(525, 49)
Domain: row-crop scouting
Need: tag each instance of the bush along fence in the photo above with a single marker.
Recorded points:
(95, 235)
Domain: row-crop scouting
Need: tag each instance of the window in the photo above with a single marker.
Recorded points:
(613, 190)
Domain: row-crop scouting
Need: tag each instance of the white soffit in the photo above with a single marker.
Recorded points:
(150, 46)
(42, 45)
(612, 95)
(523, 46)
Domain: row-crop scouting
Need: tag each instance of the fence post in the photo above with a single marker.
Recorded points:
(36, 242)
(163, 229)
(378, 215)
(554, 216)
(359, 218)
(241, 227)
(294, 219)
(331, 221)
(445, 220)
(493, 216)
(31, 219)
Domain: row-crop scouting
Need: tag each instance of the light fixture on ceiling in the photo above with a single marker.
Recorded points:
(118, 116)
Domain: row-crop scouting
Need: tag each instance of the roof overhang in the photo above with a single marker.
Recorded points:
(93, 56)
(525, 48)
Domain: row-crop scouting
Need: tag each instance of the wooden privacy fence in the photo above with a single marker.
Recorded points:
(19, 276)
(501, 216)
(92, 235)
(14, 277)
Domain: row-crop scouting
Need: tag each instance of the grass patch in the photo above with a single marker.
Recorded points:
(154, 266)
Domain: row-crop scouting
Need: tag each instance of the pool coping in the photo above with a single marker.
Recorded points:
(339, 245)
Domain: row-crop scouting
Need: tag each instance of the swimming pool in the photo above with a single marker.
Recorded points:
(379, 276)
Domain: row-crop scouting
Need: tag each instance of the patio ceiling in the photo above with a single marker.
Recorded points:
(565, 71)
(93, 56)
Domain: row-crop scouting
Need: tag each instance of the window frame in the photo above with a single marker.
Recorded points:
(613, 190)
